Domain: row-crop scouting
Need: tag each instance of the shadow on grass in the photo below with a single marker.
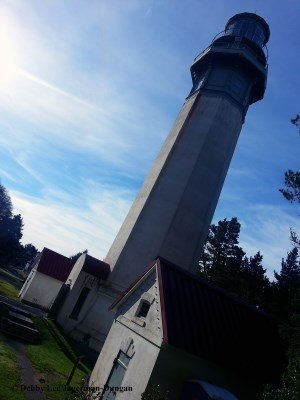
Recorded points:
(64, 345)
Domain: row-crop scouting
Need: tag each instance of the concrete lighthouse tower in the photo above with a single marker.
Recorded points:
(171, 215)
(171, 332)
(173, 210)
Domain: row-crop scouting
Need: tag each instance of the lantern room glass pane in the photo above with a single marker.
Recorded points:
(247, 28)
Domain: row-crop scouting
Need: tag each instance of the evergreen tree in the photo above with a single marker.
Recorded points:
(292, 186)
(289, 275)
(222, 257)
(5, 204)
(294, 238)
(77, 255)
(286, 300)
(296, 121)
(290, 382)
(287, 283)
(254, 284)
(10, 230)
(224, 264)
(12, 252)
(220, 248)
(28, 254)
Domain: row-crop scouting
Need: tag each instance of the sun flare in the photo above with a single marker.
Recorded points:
(8, 56)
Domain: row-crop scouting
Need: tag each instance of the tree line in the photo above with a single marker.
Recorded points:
(225, 264)
(12, 252)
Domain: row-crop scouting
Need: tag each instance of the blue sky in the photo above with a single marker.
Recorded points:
(88, 93)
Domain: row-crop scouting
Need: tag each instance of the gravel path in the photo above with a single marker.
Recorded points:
(26, 370)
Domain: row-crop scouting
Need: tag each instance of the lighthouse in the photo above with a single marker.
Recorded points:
(172, 331)
(171, 214)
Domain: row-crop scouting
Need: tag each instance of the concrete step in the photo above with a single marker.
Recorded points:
(16, 309)
(19, 330)
(17, 317)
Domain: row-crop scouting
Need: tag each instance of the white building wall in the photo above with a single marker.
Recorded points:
(76, 270)
(40, 289)
(26, 284)
(145, 334)
(148, 290)
(93, 320)
(30, 276)
(140, 366)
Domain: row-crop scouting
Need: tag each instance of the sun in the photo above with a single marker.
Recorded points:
(8, 67)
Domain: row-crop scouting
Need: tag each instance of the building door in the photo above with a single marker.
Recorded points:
(79, 303)
(116, 376)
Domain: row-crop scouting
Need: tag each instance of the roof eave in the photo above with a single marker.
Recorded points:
(162, 304)
(124, 296)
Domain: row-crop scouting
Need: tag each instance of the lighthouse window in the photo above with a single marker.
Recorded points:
(258, 36)
(237, 86)
(247, 28)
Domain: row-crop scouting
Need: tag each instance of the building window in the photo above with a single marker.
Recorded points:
(116, 376)
(79, 303)
(238, 86)
(143, 309)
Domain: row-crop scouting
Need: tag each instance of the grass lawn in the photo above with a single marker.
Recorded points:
(6, 289)
(9, 374)
(53, 360)
(13, 277)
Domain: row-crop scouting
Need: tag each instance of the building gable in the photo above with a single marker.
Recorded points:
(141, 311)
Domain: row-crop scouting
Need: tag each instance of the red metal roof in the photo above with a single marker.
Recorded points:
(96, 267)
(210, 323)
(213, 324)
(55, 265)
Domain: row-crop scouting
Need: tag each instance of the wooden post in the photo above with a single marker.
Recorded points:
(76, 362)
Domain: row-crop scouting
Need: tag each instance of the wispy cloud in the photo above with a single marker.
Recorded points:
(67, 228)
(57, 90)
(7, 175)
